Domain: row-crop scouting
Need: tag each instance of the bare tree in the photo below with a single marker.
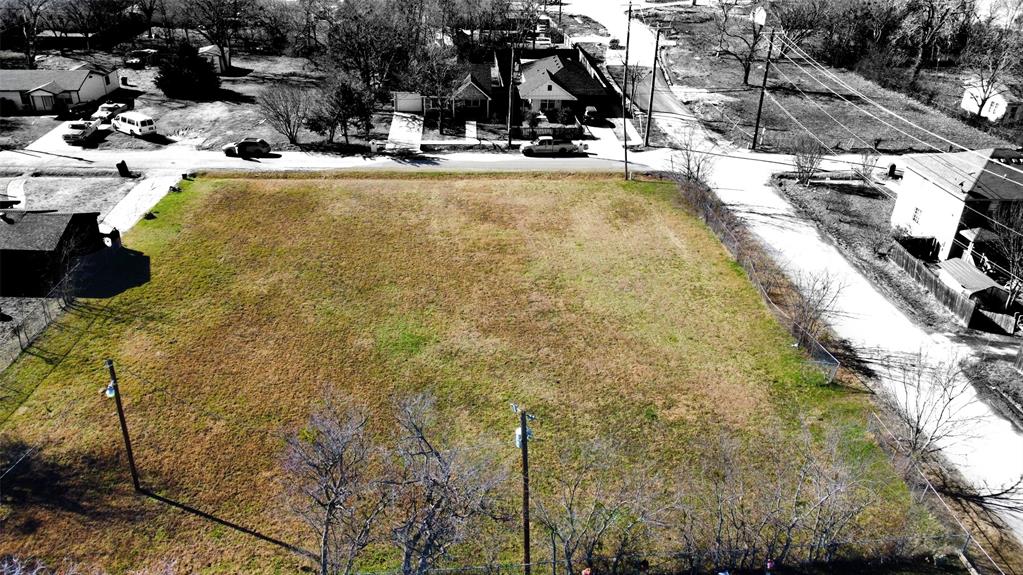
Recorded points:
(800, 20)
(220, 21)
(592, 506)
(330, 467)
(738, 37)
(931, 401)
(928, 21)
(990, 61)
(148, 9)
(867, 166)
(30, 16)
(286, 108)
(807, 154)
(688, 164)
(816, 297)
(442, 492)
(1008, 246)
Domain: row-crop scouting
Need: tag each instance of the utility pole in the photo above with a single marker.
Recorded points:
(113, 391)
(763, 90)
(653, 88)
(625, 90)
(522, 442)
(511, 86)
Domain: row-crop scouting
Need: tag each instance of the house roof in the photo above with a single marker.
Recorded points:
(564, 72)
(28, 230)
(993, 174)
(968, 276)
(479, 76)
(28, 80)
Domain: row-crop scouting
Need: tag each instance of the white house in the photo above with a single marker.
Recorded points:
(1002, 102)
(947, 198)
(41, 90)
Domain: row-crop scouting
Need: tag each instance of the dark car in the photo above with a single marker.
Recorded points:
(79, 111)
(247, 148)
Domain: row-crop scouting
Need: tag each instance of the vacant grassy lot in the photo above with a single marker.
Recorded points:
(714, 88)
(598, 304)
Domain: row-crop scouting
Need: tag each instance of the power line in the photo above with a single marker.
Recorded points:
(842, 83)
(937, 157)
(868, 180)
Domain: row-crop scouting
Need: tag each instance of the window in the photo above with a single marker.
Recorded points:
(550, 88)
(549, 105)
(916, 215)
(106, 80)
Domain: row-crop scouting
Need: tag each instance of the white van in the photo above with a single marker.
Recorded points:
(134, 124)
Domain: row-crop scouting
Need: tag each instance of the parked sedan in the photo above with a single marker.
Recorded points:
(78, 132)
(548, 146)
(247, 148)
(107, 111)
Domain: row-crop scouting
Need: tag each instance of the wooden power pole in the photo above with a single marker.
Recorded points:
(113, 391)
(653, 88)
(763, 90)
(625, 91)
(511, 86)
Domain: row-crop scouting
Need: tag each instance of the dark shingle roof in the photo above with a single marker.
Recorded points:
(993, 174)
(565, 72)
(25, 230)
(25, 80)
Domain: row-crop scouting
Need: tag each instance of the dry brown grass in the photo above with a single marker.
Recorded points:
(596, 303)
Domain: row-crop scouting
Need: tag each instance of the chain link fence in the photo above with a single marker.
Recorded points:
(762, 272)
(30, 316)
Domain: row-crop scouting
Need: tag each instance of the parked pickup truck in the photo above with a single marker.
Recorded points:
(80, 131)
(548, 146)
(107, 111)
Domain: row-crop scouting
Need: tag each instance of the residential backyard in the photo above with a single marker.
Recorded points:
(600, 305)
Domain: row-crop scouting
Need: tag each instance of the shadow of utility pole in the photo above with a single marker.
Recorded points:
(226, 523)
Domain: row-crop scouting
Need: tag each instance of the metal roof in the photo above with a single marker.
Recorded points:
(993, 173)
(968, 276)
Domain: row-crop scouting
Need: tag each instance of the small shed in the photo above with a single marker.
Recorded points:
(36, 247)
(963, 276)
(215, 56)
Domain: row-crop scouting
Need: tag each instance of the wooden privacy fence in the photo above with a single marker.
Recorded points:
(961, 306)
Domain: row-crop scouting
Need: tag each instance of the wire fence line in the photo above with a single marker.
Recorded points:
(44, 310)
(732, 232)
(748, 253)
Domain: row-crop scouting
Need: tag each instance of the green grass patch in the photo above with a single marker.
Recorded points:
(596, 303)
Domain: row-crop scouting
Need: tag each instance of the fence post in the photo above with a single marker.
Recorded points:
(1019, 360)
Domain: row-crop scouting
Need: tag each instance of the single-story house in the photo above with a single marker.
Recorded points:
(567, 78)
(36, 247)
(215, 56)
(947, 199)
(42, 90)
(1002, 102)
(479, 94)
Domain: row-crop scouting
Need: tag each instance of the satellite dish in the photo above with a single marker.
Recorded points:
(758, 16)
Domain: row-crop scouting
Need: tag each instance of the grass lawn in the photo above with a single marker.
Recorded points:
(715, 91)
(600, 305)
